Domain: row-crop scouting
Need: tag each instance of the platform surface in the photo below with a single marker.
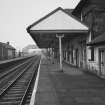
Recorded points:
(71, 87)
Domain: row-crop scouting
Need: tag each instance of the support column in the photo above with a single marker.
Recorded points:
(60, 49)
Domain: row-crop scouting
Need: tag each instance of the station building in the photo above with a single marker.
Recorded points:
(92, 13)
(6, 51)
(83, 44)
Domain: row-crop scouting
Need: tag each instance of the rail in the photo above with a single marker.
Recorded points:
(29, 71)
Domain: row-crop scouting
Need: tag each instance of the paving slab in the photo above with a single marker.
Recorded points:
(70, 87)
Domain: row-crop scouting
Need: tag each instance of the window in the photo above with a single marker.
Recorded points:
(92, 54)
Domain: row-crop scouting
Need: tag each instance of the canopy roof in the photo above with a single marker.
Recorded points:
(57, 22)
(100, 40)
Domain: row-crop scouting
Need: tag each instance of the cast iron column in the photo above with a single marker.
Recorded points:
(60, 49)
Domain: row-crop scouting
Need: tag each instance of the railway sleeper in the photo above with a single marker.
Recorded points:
(9, 103)
(22, 88)
(14, 98)
(11, 98)
(28, 101)
(11, 95)
(19, 87)
(17, 91)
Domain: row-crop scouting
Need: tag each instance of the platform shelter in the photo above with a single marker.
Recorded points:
(57, 26)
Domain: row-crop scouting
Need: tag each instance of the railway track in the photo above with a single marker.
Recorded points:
(2, 70)
(10, 74)
(19, 89)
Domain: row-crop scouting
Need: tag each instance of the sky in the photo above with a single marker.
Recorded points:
(17, 15)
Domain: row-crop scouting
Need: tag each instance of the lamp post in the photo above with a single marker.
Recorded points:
(60, 49)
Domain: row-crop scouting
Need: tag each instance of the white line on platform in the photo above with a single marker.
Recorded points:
(32, 102)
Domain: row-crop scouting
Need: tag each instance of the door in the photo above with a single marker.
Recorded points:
(102, 61)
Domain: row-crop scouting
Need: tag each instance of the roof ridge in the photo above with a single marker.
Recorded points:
(49, 14)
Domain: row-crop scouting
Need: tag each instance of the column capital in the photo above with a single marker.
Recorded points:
(59, 35)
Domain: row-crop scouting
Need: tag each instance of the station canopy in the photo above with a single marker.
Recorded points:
(57, 22)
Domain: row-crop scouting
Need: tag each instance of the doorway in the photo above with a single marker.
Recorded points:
(102, 61)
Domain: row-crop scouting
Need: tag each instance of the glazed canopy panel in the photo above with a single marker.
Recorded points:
(57, 22)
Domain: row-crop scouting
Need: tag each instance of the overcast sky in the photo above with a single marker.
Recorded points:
(16, 15)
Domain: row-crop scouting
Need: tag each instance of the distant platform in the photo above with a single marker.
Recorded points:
(14, 59)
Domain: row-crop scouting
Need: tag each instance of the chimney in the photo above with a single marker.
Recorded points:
(7, 43)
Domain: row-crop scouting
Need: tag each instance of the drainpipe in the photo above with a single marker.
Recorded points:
(81, 17)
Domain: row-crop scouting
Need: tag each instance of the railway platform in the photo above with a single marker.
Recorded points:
(70, 87)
